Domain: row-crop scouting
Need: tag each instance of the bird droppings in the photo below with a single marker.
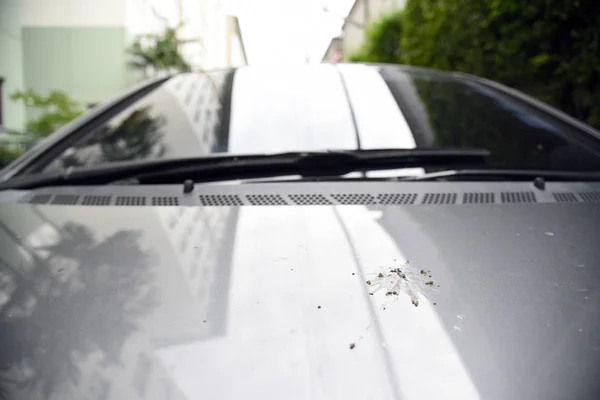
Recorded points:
(405, 280)
(352, 346)
(398, 282)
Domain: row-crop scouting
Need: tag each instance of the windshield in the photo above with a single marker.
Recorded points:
(445, 111)
(270, 110)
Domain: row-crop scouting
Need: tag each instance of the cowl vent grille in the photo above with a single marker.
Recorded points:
(397, 198)
(518, 197)
(478, 198)
(220, 200)
(309, 199)
(165, 201)
(355, 199)
(439, 198)
(307, 194)
(565, 197)
(40, 199)
(65, 199)
(130, 201)
(266, 200)
(590, 197)
(96, 201)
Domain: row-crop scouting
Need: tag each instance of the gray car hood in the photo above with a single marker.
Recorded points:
(314, 302)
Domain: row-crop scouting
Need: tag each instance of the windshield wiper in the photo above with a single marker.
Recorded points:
(231, 167)
(505, 174)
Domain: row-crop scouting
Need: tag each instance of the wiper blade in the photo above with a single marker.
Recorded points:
(232, 167)
(506, 174)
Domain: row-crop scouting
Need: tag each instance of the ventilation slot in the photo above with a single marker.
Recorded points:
(165, 201)
(397, 198)
(354, 199)
(518, 197)
(96, 201)
(478, 198)
(565, 197)
(40, 199)
(266, 200)
(309, 199)
(65, 199)
(590, 197)
(439, 198)
(220, 200)
(130, 201)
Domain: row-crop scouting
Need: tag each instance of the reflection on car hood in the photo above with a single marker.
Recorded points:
(496, 302)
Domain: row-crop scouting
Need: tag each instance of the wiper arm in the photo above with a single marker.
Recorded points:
(508, 174)
(231, 167)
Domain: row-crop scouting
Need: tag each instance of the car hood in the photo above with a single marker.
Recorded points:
(313, 302)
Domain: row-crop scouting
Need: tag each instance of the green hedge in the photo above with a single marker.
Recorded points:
(547, 48)
(382, 42)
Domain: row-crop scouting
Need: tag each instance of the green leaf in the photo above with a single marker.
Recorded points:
(540, 59)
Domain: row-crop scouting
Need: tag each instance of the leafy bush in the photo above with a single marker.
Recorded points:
(549, 49)
(57, 108)
(158, 51)
(382, 42)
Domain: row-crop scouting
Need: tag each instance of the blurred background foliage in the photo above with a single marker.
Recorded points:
(154, 53)
(56, 109)
(150, 54)
(382, 42)
(549, 49)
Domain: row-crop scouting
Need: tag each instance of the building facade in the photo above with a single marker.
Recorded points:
(80, 47)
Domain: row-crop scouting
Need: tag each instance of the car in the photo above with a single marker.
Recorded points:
(331, 231)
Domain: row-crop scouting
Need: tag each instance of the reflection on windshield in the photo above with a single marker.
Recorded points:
(182, 118)
(461, 114)
(138, 136)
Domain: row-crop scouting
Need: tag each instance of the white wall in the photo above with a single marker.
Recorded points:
(72, 13)
(11, 63)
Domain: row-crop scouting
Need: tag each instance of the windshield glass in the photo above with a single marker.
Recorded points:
(446, 111)
(305, 108)
(184, 117)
